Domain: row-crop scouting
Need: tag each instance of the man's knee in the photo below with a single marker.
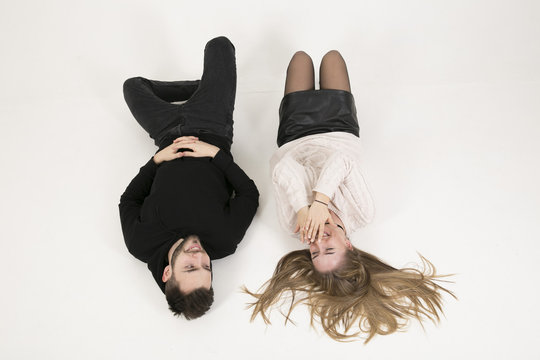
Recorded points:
(220, 42)
(133, 82)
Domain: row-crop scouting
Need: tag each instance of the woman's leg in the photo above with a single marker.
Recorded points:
(300, 73)
(333, 72)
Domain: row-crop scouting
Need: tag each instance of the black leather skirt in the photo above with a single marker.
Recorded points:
(309, 112)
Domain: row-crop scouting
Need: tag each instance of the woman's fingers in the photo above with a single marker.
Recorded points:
(310, 230)
(321, 231)
(305, 229)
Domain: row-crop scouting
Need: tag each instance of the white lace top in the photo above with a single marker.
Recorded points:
(327, 163)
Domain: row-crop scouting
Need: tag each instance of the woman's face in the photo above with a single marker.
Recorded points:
(329, 253)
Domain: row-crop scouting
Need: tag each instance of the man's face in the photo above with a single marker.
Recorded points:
(191, 266)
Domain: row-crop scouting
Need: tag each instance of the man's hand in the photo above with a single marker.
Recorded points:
(199, 148)
(301, 217)
(171, 152)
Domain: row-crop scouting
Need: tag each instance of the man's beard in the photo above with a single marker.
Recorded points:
(180, 247)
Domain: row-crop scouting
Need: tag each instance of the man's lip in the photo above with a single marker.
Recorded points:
(194, 247)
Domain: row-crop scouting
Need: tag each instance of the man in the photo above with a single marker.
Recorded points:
(179, 212)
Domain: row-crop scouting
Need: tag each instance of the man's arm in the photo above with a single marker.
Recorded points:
(132, 200)
(138, 189)
(243, 206)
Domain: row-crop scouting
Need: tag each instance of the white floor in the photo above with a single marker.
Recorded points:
(448, 97)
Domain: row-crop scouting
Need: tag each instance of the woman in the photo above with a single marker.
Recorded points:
(322, 196)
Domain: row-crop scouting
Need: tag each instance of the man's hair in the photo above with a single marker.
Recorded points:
(192, 305)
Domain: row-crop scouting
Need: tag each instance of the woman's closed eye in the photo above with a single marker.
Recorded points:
(328, 251)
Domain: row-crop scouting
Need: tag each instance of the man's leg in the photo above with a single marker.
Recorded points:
(210, 109)
(150, 102)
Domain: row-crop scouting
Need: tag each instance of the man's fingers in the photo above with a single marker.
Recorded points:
(321, 231)
(184, 143)
(189, 145)
(181, 138)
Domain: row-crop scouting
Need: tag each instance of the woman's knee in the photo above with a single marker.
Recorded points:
(301, 57)
(332, 57)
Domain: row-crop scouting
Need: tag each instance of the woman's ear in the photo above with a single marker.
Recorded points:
(348, 244)
(167, 272)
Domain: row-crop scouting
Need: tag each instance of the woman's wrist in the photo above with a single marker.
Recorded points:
(320, 197)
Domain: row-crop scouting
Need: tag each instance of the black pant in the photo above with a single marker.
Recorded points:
(209, 106)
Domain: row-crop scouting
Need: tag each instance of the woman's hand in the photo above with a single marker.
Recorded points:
(318, 216)
(301, 217)
(171, 152)
(199, 148)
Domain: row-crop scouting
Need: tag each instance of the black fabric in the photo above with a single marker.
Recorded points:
(211, 198)
(209, 106)
(182, 197)
(309, 112)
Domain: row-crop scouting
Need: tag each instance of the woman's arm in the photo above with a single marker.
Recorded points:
(291, 186)
(336, 168)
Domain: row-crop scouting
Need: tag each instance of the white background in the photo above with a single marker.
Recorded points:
(448, 98)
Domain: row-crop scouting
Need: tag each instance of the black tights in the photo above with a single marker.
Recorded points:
(332, 73)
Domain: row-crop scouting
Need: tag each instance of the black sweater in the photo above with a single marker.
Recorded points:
(186, 196)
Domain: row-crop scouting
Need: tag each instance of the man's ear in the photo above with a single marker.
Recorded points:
(167, 272)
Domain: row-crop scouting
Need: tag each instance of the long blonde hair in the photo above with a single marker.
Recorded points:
(364, 291)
